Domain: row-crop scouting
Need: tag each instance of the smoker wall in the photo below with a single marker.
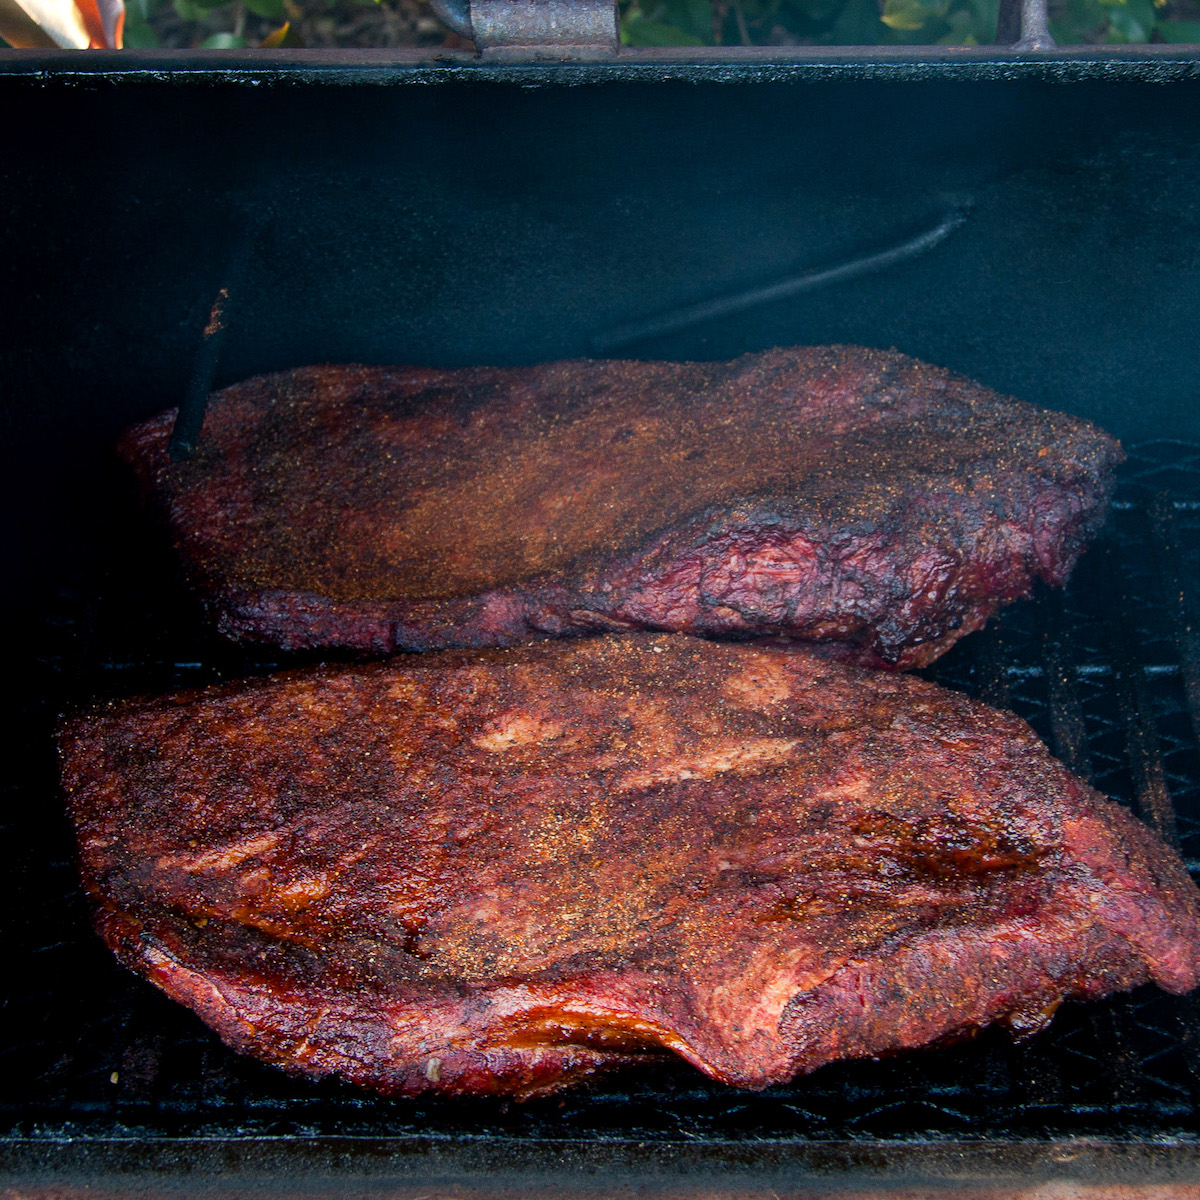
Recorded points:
(492, 217)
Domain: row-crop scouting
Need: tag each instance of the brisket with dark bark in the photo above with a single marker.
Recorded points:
(854, 498)
(504, 871)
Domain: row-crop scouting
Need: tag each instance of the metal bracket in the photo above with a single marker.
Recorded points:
(533, 24)
(1035, 26)
(1025, 23)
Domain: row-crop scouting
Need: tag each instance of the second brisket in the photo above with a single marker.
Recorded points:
(853, 498)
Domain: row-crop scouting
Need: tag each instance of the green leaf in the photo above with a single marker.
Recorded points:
(963, 29)
(1178, 31)
(272, 10)
(223, 41)
(858, 24)
(1134, 20)
(984, 15)
(1079, 22)
(139, 36)
(806, 18)
(905, 14)
(692, 16)
(655, 33)
(196, 10)
(138, 11)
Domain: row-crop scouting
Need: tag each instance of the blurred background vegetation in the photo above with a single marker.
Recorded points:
(229, 24)
(894, 22)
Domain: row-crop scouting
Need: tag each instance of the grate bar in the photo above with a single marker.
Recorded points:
(1180, 611)
(1109, 705)
(1172, 502)
(1093, 670)
(1040, 1082)
(1121, 1067)
(1133, 701)
(141, 1066)
(989, 668)
(1067, 726)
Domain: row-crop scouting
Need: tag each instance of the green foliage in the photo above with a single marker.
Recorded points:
(139, 35)
(271, 10)
(668, 23)
(947, 22)
(860, 22)
(1132, 21)
(221, 24)
(207, 18)
(894, 22)
(1116, 21)
(1178, 31)
(195, 10)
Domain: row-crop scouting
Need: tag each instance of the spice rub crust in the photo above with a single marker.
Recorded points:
(853, 498)
(506, 871)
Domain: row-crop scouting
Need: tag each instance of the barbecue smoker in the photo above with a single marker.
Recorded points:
(1028, 217)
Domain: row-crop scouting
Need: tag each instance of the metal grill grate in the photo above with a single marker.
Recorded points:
(1108, 673)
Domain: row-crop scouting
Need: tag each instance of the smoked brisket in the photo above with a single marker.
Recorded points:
(853, 498)
(504, 871)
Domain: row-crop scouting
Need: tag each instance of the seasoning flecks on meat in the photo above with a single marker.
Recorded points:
(853, 498)
(505, 871)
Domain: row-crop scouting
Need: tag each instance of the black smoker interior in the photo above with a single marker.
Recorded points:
(1035, 225)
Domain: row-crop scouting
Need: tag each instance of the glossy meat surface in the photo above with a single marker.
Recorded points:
(850, 497)
(505, 871)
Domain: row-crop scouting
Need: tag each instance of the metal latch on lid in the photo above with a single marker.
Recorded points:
(533, 24)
